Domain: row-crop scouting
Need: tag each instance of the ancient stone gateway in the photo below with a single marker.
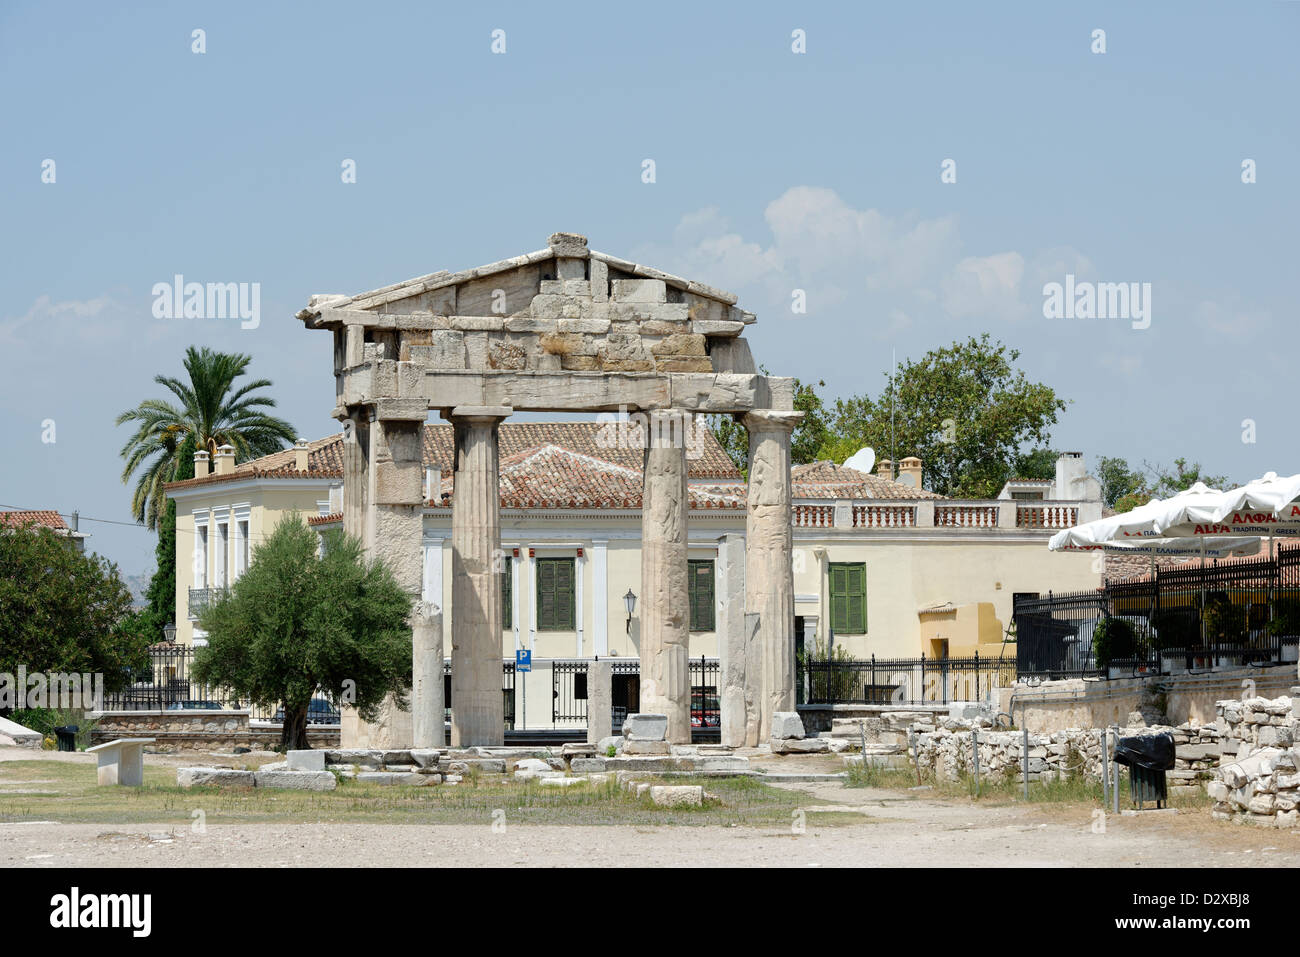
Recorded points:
(563, 329)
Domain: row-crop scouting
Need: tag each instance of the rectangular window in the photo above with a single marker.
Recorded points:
(241, 561)
(222, 556)
(555, 605)
(699, 582)
(507, 594)
(848, 598)
(201, 557)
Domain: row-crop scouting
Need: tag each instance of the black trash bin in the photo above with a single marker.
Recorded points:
(1148, 757)
(67, 737)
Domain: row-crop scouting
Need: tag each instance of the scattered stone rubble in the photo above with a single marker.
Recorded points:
(1262, 785)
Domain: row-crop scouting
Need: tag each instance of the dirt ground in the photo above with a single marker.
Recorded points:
(863, 828)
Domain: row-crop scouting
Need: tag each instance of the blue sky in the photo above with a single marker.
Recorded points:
(774, 172)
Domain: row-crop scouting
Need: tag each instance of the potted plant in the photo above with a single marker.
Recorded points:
(1113, 641)
(1225, 628)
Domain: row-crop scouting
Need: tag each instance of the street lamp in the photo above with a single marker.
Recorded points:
(169, 632)
(629, 600)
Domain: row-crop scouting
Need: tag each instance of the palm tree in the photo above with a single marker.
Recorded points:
(212, 410)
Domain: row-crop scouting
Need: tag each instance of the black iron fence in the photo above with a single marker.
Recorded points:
(569, 694)
(902, 680)
(1188, 618)
(167, 683)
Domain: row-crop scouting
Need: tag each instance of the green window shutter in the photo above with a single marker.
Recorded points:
(545, 595)
(848, 593)
(555, 594)
(564, 592)
(700, 595)
(839, 599)
(857, 599)
(507, 595)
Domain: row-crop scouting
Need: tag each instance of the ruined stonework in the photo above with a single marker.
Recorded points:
(562, 329)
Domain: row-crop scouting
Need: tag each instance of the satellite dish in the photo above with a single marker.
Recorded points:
(864, 460)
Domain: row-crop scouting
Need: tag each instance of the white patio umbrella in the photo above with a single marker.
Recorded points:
(1268, 506)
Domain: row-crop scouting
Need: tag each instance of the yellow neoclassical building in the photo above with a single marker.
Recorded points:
(881, 566)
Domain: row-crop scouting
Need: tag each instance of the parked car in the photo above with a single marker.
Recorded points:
(705, 710)
(194, 704)
(319, 711)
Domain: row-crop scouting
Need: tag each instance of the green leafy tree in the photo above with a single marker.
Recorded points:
(1035, 464)
(964, 409)
(1117, 480)
(297, 621)
(213, 409)
(161, 594)
(808, 437)
(1165, 482)
(1162, 482)
(62, 610)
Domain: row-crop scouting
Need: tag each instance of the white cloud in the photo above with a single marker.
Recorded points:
(986, 286)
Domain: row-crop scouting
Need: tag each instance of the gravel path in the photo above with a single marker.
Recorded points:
(897, 829)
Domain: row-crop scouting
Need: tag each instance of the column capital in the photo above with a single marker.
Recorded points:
(771, 420)
(478, 414)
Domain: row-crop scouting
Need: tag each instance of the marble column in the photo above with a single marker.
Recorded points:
(393, 531)
(477, 715)
(665, 615)
(738, 657)
(769, 574)
(427, 722)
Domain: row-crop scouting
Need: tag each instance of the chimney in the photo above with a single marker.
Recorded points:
(336, 498)
(200, 463)
(909, 472)
(433, 484)
(300, 455)
(885, 469)
(225, 460)
(1069, 476)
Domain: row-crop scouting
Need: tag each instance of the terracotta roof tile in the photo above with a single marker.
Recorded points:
(828, 480)
(40, 517)
(592, 439)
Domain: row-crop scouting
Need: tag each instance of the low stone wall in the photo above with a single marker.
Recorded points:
(199, 730)
(1262, 785)
(947, 752)
(1095, 703)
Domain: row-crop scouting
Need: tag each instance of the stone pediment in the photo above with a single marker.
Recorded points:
(564, 308)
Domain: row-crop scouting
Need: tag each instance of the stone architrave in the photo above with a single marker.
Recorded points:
(427, 721)
(665, 618)
(600, 710)
(477, 711)
(769, 572)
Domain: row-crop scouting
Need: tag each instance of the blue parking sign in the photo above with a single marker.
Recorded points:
(523, 660)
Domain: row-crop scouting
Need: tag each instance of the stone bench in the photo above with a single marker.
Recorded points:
(121, 761)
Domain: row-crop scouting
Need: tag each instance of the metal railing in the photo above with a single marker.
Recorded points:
(200, 599)
(166, 684)
(911, 681)
(569, 694)
(1190, 617)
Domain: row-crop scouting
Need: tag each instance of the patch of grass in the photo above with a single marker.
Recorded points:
(1008, 788)
(45, 720)
(740, 801)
